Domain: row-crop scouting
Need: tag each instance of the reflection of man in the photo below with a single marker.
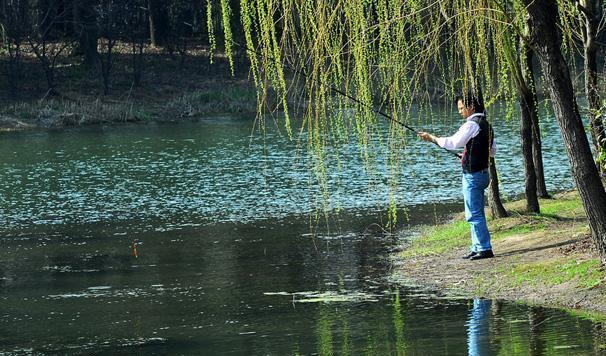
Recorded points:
(478, 340)
(476, 136)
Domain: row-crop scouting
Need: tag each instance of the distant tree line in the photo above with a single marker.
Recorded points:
(90, 29)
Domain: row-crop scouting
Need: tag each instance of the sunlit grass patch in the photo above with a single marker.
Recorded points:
(440, 239)
(518, 230)
(568, 207)
(587, 273)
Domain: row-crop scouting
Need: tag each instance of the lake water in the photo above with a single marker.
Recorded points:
(231, 257)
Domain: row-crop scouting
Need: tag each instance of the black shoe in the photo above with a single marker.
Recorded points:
(481, 255)
(469, 255)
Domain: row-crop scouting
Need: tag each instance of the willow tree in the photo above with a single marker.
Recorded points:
(584, 20)
(543, 20)
(527, 110)
(391, 54)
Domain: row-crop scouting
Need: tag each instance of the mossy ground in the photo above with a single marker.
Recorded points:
(545, 258)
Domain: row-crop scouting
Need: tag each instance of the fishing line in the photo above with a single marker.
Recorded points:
(355, 100)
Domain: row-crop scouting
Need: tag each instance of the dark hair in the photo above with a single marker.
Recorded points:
(473, 99)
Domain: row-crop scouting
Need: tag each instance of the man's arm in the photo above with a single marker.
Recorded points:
(458, 140)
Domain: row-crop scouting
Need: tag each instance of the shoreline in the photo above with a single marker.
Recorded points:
(58, 113)
(545, 260)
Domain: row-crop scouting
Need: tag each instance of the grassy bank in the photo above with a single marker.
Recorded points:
(169, 89)
(86, 111)
(545, 259)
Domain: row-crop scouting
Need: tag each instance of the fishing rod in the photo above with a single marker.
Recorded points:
(355, 100)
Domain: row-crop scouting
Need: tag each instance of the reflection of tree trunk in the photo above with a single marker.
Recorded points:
(536, 319)
(543, 20)
(599, 337)
(496, 324)
(398, 323)
(496, 206)
(537, 150)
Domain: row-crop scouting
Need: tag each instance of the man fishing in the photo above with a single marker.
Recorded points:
(476, 135)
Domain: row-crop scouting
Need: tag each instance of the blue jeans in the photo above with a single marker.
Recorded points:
(473, 194)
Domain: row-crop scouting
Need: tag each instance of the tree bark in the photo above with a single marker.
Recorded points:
(546, 42)
(590, 17)
(537, 156)
(527, 107)
(537, 149)
(85, 24)
(151, 10)
(197, 15)
(157, 22)
(497, 210)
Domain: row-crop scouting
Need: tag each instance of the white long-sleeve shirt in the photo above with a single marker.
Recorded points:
(466, 132)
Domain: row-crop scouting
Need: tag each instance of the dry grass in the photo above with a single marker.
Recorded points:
(171, 89)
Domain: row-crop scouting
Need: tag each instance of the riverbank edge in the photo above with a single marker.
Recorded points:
(543, 260)
(238, 97)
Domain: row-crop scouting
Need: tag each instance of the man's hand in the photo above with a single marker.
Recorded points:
(425, 136)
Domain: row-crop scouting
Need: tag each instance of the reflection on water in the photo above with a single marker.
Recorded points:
(226, 262)
(214, 171)
(497, 328)
(478, 334)
(238, 288)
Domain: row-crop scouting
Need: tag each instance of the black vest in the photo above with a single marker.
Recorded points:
(477, 150)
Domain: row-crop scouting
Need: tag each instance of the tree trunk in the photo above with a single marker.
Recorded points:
(152, 22)
(537, 149)
(137, 52)
(542, 17)
(157, 22)
(497, 210)
(106, 66)
(197, 15)
(85, 24)
(527, 108)
(537, 156)
(590, 19)
(49, 73)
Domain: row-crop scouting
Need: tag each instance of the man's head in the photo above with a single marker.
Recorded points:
(470, 104)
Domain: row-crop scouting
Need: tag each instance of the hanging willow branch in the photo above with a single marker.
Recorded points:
(389, 54)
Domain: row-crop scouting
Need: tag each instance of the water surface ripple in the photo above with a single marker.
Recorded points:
(228, 261)
(216, 171)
